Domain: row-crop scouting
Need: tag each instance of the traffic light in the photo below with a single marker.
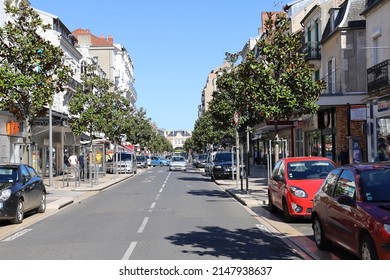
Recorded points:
(13, 127)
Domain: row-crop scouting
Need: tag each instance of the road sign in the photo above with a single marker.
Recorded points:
(235, 117)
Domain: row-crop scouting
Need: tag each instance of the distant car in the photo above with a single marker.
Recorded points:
(142, 161)
(224, 164)
(352, 210)
(159, 161)
(122, 162)
(21, 190)
(178, 163)
(200, 161)
(209, 163)
(294, 182)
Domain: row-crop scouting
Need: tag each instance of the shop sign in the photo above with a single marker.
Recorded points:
(383, 105)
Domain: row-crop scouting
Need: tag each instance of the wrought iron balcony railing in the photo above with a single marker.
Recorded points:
(312, 50)
(378, 76)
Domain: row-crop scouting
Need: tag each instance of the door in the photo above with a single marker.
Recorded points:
(342, 225)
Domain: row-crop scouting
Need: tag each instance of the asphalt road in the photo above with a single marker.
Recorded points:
(156, 215)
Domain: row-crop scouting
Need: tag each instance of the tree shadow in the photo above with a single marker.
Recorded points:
(209, 193)
(241, 244)
(194, 179)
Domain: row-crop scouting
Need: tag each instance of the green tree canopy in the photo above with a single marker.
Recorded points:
(31, 68)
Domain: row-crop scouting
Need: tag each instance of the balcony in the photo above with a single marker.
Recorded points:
(312, 50)
(378, 77)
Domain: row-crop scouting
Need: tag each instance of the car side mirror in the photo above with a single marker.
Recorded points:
(279, 178)
(25, 179)
(346, 200)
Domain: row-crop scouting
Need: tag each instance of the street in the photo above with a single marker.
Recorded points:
(155, 215)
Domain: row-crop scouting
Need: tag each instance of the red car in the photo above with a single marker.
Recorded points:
(352, 210)
(294, 182)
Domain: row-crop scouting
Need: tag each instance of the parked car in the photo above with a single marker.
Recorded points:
(21, 190)
(142, 162)
(352, 210)
(209, 163)
(122, 162)
(293, 184)
(178, 163)
(159, 161)
(200, 160)
(224, 164)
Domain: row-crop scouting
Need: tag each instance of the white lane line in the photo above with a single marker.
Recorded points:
(160, 191)
(157, 196)
(129, 251)
(143, 225)
(163, 186)
(16, 235)
(152, 206)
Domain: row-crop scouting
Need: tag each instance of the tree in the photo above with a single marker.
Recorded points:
(142, 131)
(96, 108)
(278, 81)
(208, 131)
(31, 68)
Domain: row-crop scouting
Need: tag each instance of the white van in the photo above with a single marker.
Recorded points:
(122, 162)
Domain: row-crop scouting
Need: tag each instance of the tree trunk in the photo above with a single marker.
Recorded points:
(276, 139)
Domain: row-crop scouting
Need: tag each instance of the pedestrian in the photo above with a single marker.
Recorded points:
(73, 161)
(81, 165)
(344, 156)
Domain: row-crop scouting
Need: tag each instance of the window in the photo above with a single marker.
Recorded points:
(346, 184)
(330, 183)
(332, 76)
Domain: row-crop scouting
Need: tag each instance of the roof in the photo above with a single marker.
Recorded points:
(95, 41)
(348, 16)
(174, 133)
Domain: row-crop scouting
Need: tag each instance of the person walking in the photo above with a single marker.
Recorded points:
(73, 161)
(344, 156)
(81, 165)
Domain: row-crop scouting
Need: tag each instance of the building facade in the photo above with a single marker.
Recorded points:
(378, 82)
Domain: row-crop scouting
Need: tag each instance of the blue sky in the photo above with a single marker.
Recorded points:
(174, 44)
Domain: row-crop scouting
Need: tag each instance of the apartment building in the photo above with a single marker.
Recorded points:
(210, 87)
(377, 52)
(178, 137)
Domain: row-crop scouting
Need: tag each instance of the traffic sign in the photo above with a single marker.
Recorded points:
(235, 118)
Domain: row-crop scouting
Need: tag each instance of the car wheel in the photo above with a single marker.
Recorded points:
(272, 207)
(287, 217)
(319, 237)
(42, 206)
(19, 213)
(367, 248)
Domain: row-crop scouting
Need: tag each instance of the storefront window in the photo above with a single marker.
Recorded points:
(313, 145)
(383, 140)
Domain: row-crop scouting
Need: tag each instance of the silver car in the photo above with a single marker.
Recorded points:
(122, 162)
(178, 163)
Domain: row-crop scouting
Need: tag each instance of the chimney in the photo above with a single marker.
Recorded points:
(110, 39)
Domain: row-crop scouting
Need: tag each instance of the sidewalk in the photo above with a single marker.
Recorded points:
(256, 194)
(63, 193)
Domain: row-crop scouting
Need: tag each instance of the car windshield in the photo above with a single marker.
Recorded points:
(202, 156)
(309, 169)
(141, 158)
(8, 174)
(223, 157)
(375, 185)
(178, 159)
(124, 156)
